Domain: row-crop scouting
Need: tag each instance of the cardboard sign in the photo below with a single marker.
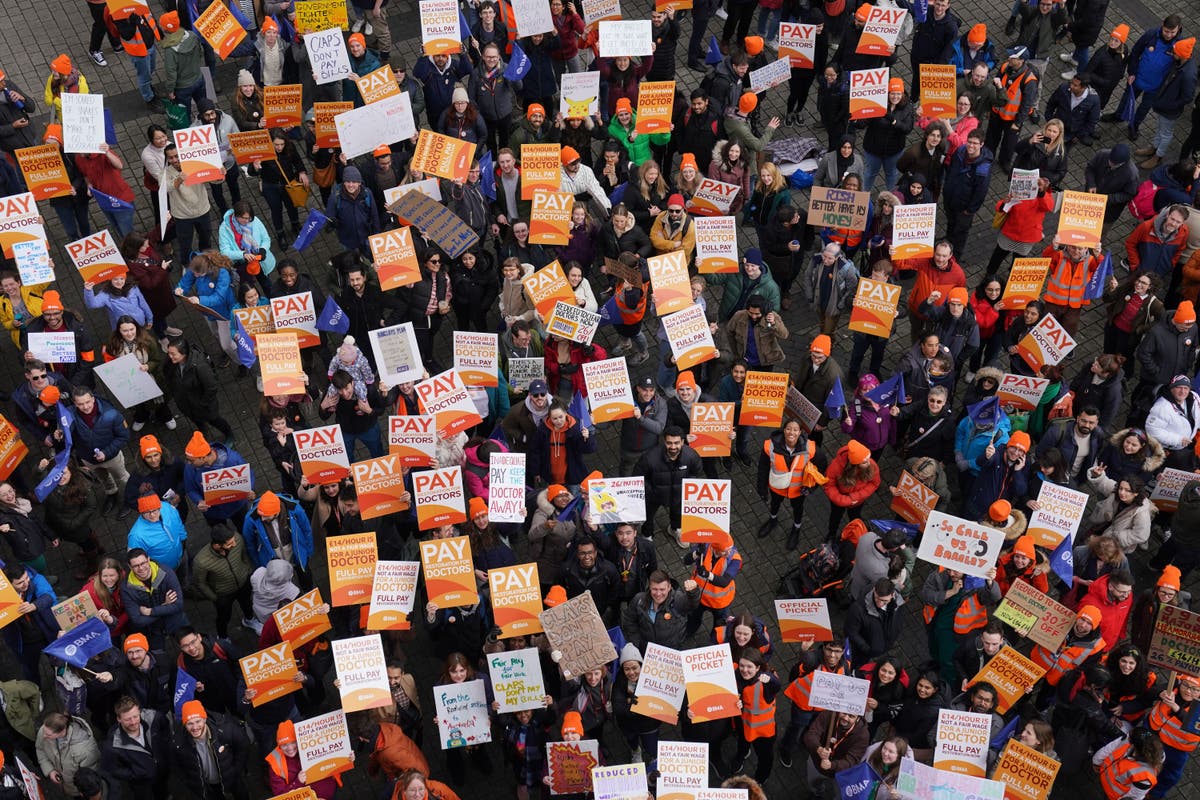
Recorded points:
(449, 570)
(270, 672)
(716, 244)
(231, 484)
(541, 168)
(579, 94)
(574, 628)
(83, 123)
(220, 29)
(1061, 511)
(1023, 185)
(550, 218)
(440, 498)
(477, 358)
(570, 321)
(626, 38)
(524, 371)
(506, 488)
(1168, 486)
(447, 398)
(656, 101)
(682, 770)
(1021, 392)
(763, 399)
(1025, 773)
(532, 16)
(1047, 343)
(303, 619)
(631, 274)
(1031, 613)
(361, 672)
(517, 680)
(706, 506)
(33, 262)
(879, 34)
(913, 229)
(97, 258)
(804, 620)
(380, 486)
(838, 208)
(10, 601)
(962, 742)
(799, 43)
(395, 258)
(660, 688)
(252, 146)
(516, 600)
(713, 198)
(328, 57)
(386, 121)
(44, 171)
(712, 424)
(874, 309)
(1024, 283)
(571, 763)
(619, 782)
(958, 544)
(22, 221)
(835, 692)
(913, 500)
(773, 74)
(670, 280)
(614, 500)
(318, 15)
(939, 91)
(324, 743)
(920, 782)
(711, 686)
(1082, 219)
(378, 85)
(283, 105)
(869, 93)
(393, 592)
(609, 395)
(397, 356)
(322, 452)
(199, 152)
(1011, 673)
(443, 156)
(1176, 641)
(440, 32)
(351, 560)
(413, 439)
(74, 611)
(325, 115)
(280, 365)
(297, 313)
(546, 287)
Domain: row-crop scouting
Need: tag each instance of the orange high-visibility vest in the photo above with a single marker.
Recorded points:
(277, 761)
(631, 316)
(758, 716)
(717, 596)
(970, 616)
(1119, 772)
(1067, 281)
(789, 479)
(798, 690)
(1167, 724)
(137, 46)
(1065, 660)
(1012, 92)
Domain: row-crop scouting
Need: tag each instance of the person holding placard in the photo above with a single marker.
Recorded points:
(358, 417)
(284, 772)
(223, 124)
(65, 78)
(835, 741)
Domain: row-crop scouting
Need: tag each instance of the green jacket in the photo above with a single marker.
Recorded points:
(22, 703)
(638, 150)
(222, 575)
(737, 284)
(182, 58)
(737, 128)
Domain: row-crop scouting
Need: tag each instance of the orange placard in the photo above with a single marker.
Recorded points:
(324, 745)
(97, 258)
(711, 686)
(706, 508)
(303, 619)
(449, 572)
(912, 499)
(256, 320)
(378, 85)
(380, 486)
(123, 9)
(608, 385)
(393, 594)
(879, 34)
(550, 218)
(283, 105)
(869, 93)
(874, 309)
(362, 672)
(231, 484)
(939, 88)
(440, 498)
(1046, 343)
(1025, 773)
(44, 171)
(711, 425)
(1082, 219)
(546, 287)
(516, 600)
(220, 29)
(1024, 283)
(446, 397)
(541, 168)
(763, 399)
(10, 602)
(804, 620)
(798, 43)
(12, 448)
(297, 313)
(440, 31)
(413, 438)
(1011, 673)
(443, 156)
(395, 258)
(671, 282)
(199, 152)
(251, 146)
(656, 101)
(323, 114)
(477, 358)
(279, 363)
(351, 559)
(322, 453)
(271, 673)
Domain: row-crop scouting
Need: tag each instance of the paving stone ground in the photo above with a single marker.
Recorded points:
(34, 31)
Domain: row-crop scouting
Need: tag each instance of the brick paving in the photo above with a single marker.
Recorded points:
(37, 30)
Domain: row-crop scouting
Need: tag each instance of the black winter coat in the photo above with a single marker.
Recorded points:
(192, 385)
(230, 748)
(124, 759)
(664, 478)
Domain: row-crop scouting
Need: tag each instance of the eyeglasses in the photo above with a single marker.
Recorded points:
(539, 394)
(434, 260)
(674, 211)
(41, 377)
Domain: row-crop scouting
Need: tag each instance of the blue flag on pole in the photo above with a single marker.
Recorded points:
(919, 9)
(81, 644)
(245, 345)
(609, 315)
(890, 392)
(332, 319)
(110, 203)
(985, 412)
(497, 435)
(238, 15)
(1063, 561)
(193, 8)
(579, 410)
(464, 30)
(487, 175)
(313, 224)
(1094, 289)
(570, 508)
(848, 654)
(110, 128)
(518, 64)
(855, 782)
(617, 637)
(836, 398)
(714, 52)
(50, 481)
(885, 525)
(185, 690)
(1005, 733)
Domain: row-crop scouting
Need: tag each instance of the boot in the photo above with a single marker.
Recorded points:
(793, 540)
(1150, 163)
(765, 529)
(1144, 152)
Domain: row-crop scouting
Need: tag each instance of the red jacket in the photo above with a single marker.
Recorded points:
(930, 278)
(290, 779)
(1024, 223)
(849, 496)
(1113, 615)
(569, 27)
(578, 358)
(986, 316)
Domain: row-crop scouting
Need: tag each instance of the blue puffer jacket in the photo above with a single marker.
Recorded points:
(213, 291)
(355, 218)
(162, 540)
(258, 544)
(193, 483)
(957, 54)
(964, 186)
(1178, 88)
(971, 442)
(107, 432)
(1150, 59)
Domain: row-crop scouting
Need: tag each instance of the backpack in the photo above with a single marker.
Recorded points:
(1142, 204)
(818, 571)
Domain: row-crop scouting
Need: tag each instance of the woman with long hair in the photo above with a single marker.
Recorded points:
(1133, 307)
(119, 297)
(104, 587)
(927, 157)
(646, 197)
(1095, 558)
(744, 632)
(1125, 512)
(730, 165)
(416, 785)
(72, 508)
(287, 167)
(1101, 384)
(194, 387)
(24, 533)
(328, 504)
(621, 234)
(888, 690)
(458, 669)
(209, 277)
(584, 240)
(985, 304)
(770, 194)
(130, 338)
(247, 108)
(461, 120)
(757, 688)
(885, 760)
(152, 274)
(1045, 151)
(688, 180)
(1133, 690)
(1038, 735)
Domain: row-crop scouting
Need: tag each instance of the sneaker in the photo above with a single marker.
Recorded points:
(118, 48)
(137, 426)
(785, 759)
(357, 26)
(171, 331)
(171, 424)
(1067, 58)
(722, 14)
(368, 29)
(1066, 76)
(99, 58)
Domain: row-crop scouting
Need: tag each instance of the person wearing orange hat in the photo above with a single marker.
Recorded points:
(1107, 67)
(1144, 614)
(221, 771)
(715, 567)
(1170, 719)
(160, 532)
(952, 324)
(533, 128)
(579, 179)
(183, 57)
(555, 596)
(971, 48)
(55, 318)
(549, 535)
(739, 129)
(1023, 562)
(1082, 642)
(202, 456)
(1004, 472)
(623, 128)
(284, 771)
(277, 528)
(815, 378)
(64, 78)
(362, 62)
(852, 477)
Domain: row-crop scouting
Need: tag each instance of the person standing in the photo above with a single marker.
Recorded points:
(137, 749)
(66, 745)
(1018, 85)
(664, 469)
(183, 57)
(189, 206)
(100, 434)
(222, 575)
(99, 30)
(211, 754)
(139, 38)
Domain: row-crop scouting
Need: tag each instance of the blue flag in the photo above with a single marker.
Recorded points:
(890, 392)
(50, 482)
(193, 9)
(464, 30)
(518, 64)
(497, 435)
(609, 315)
(238, 15)
(618, 194)
(1094, 289)
(110, 129)
(110, 203)
(836, 398)
(487, 175)
(617, 637)
(185, 690)
(570, 509)
(848, 654)
(287, 31)
(579, 410)
(714, 52)
(81, 644)
(1005, 733)
(919, 9)
(885, 525)
(855, 783)
(986, 412)
(1063, 561)
(313, 224)
(245, 345)
(332, 319)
